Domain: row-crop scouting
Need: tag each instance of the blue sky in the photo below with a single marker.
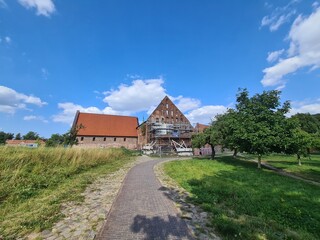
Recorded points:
(124, 56)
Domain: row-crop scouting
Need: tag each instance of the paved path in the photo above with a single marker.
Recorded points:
(142, 211)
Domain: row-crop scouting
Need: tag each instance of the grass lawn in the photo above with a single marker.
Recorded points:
(310, 168)
(247, 203)
(35, 182)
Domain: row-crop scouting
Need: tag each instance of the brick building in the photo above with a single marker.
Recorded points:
(199, 128)
(166, 123)
(102, 130)
(25, 143)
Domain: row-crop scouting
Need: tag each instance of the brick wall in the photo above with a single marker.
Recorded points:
(105, 142)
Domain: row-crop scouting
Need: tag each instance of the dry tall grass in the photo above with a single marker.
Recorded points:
(34, 183)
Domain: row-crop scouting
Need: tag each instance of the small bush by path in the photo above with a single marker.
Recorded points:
(35, 182)
(247, 203)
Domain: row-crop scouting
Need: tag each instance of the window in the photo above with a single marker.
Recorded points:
(104, 139)
(171, 113)
(157, 120)
(167, 105)
(167, 112)
(124, 139)
(115, 139)
(93, 139)
(81, 139)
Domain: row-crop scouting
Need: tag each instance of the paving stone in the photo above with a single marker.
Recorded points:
(89, 215)
(142, 210)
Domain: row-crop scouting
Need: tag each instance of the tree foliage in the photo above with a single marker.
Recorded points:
(229, 130)
(70, 138)
(18, 136)
(208, 136)
(31, 136)
(308, 122)
(262, 122)
(299, 143)
(258, 125)
(55, 140)
(5, 136)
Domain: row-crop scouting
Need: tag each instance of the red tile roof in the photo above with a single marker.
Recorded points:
(106, 125)
(22, 142)
(201, 127)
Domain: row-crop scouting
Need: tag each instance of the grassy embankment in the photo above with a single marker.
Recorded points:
(35, 182)
(247, 203)
(310, 168)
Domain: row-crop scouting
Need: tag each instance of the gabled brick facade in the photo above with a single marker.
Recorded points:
(166, 123)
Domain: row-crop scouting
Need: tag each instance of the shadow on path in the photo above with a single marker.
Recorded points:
(159, 228)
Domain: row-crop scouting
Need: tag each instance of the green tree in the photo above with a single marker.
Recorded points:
(18, 136)
(308, 122)
(209, 136)
(299, 143)
(5, 136)
(31, 136)
(55, 140)
(229, 130)
(316, 141)
(262, 121)
(70, 138)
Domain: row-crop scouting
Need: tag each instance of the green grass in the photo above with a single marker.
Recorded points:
(35, 182)
(247, 203)
(310, 168)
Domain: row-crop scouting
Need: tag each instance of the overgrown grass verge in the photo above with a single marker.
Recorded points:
(310, 168)
(247, 203)
(35, 182)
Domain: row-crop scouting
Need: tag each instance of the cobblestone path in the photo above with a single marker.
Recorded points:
(142, 211)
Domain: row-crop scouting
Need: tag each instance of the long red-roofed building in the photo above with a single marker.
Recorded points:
(103, 130)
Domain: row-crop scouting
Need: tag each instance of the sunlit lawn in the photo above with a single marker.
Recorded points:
(310, 168)
(247, 203)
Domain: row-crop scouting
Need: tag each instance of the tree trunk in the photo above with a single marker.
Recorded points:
(235, 152)
(299, 159)
(213, 152)
(259, 161)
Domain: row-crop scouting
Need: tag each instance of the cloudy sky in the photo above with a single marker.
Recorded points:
(124, 56)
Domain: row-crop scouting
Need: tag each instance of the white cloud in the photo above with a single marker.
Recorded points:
(137, 97)
(3, 4)
(69, 110)
(205, 114)
(45, 73)
(11, 101)
(304, 50)
(35, 118)
(274, 56)
(140, 96)
(7, 39)
(279, 16)
(44, 7)
(307, 106)
(186, 104)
